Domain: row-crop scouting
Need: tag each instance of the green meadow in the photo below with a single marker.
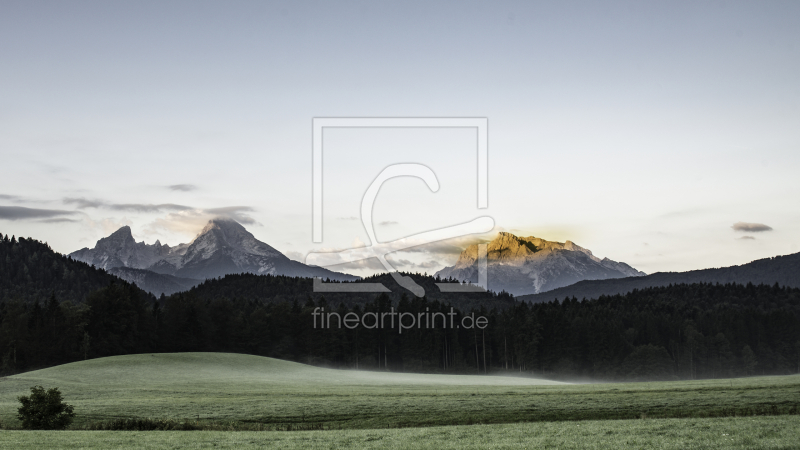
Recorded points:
(667, 434)
(301, 406)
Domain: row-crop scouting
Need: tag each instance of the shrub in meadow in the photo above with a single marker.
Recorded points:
(44, 410)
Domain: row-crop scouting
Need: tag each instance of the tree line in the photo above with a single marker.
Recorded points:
(673, 332)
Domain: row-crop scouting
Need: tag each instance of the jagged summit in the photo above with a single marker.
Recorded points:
(222, 247)
(119, 249)
(123, 231)
(525, 265)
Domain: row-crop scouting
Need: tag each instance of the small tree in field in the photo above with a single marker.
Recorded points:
(44, 410)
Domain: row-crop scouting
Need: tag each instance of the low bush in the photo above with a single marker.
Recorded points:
(44, 410)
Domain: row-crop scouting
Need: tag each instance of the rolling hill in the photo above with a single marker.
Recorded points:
(228, 386)
(223, 391)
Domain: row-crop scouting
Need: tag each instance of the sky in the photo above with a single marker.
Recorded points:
(661, 134)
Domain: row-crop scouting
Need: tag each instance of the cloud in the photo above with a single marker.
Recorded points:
(347, 218)
(429, 264)
(59, 220)
(18, 199)
(372, 265)
(83, 203)
(401, 253)
(750, 227)
(184, 223)
(182, 187)
(191, 221)
(406, 264)
(21, 213)
(387, 222)
(747, 238)
(107, 225)
(449, 246)
(234, 212)
(369, 264)
(148, 208)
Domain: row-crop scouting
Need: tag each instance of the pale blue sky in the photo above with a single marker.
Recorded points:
(640, 131)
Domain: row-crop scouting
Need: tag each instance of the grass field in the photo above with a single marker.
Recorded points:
(778, 433)
(251, 392)
(257, 396)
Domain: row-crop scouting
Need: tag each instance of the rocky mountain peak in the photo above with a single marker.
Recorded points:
(222, 247)
(222, 223)
(122, 233)
(224, 229)
(523, 265)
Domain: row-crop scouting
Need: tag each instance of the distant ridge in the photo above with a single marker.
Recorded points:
(784, 270)
(154, 283)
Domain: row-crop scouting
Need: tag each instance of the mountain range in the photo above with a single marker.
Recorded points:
(530, 265)
(223, 247)
(530, 268)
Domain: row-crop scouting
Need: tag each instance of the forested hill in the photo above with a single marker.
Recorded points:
(31, 271)
(279, 288)
(784, 270)
(682, 331)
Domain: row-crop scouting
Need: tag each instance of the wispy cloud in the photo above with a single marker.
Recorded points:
(387, 222)
(190, 221)
(142, 207)
(373, 265)
(369, 264)
(181, 219)
(107, 225)
(19, 199)
(236, 213)
(22, 213)
(83, 203)
(182, 187)
(746, 238)
(406, 264)
(59, 220)
(348, 218)
(749, 227)
(11, 198)
(450, 246)
(436, 254)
